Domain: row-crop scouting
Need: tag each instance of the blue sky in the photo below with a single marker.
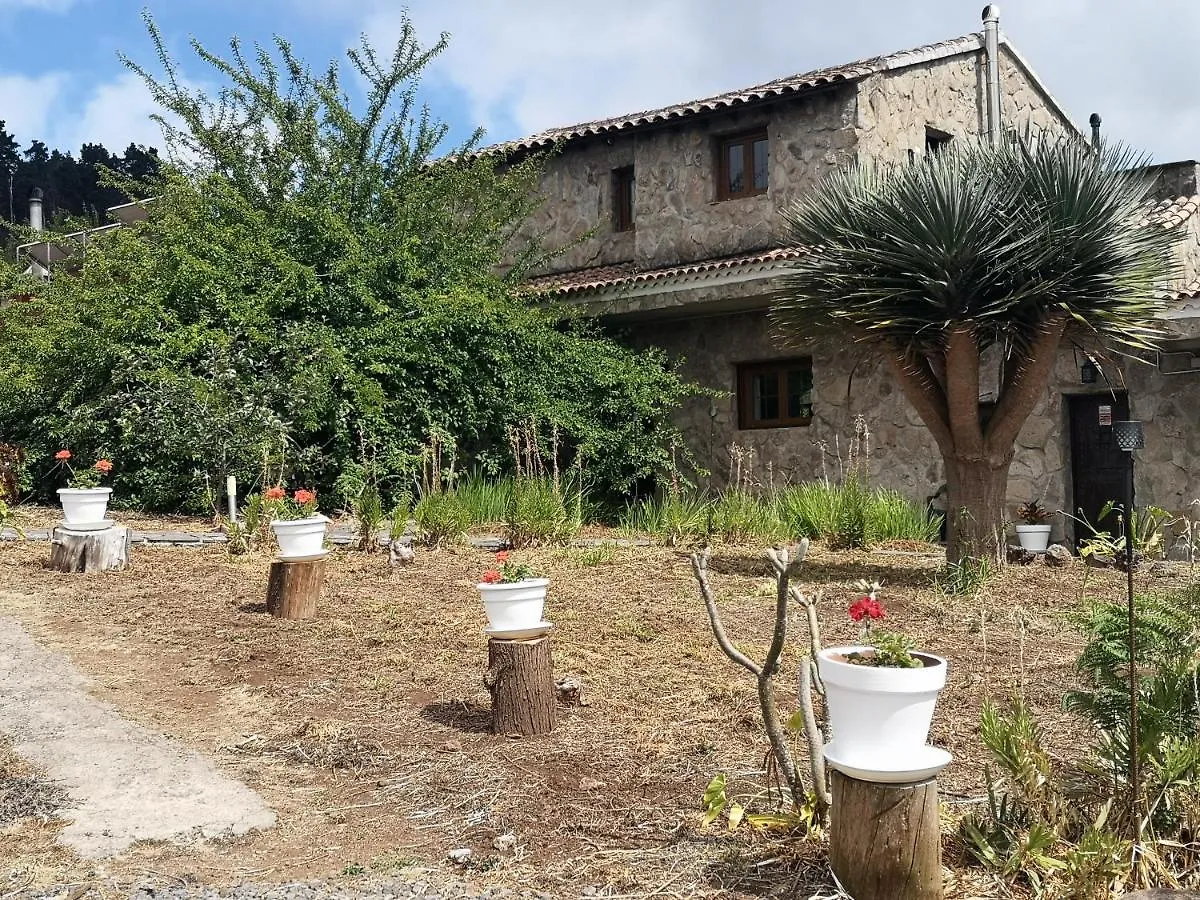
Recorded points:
(516, 66)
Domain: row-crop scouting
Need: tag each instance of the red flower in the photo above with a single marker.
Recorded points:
(62, 455)
(491, 576)
(302, 496)
(103, 466)
(275, 493)
(866, 608)
(502, 557)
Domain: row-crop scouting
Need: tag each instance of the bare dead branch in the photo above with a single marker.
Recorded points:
(700, 569)
(816, 739)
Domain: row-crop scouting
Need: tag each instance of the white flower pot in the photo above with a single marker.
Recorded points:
(514, 606)
(84, 506)
(300, 538)
(1034, 538)
(879, 717)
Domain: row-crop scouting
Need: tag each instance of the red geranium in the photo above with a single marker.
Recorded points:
(502, 557)
(491, 576)
(62, 455)
(302, 496)
(104, 466)
(274, 493)
(866, 608)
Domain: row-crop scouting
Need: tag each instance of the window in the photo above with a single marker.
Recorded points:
(936, 140)
(623, 199)
(775, 394)
(742, 166)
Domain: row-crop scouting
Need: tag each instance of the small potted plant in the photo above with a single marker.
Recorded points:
(880, 695)
(513, 596)
(84, 502)
(1034, 534)
(298, 527)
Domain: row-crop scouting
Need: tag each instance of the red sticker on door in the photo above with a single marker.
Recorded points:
(1105, 415)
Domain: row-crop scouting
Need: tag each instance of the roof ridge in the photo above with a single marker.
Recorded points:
(787, 84)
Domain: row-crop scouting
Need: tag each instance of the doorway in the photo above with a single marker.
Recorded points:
(1099, 468)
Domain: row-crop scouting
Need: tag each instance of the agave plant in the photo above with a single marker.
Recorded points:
(1011, 246)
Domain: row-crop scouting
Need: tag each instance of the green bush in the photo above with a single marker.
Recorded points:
(674, 518)
(441, 518)
(849, 515)
(540, 512)
(739, 517)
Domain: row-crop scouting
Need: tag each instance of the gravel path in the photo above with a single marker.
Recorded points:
(124, 782)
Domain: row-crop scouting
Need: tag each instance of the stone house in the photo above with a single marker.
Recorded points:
(672, 222)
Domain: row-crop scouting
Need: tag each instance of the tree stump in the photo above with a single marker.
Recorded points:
(885, 840)
(294, 586)
(89, 551)
(520, 677)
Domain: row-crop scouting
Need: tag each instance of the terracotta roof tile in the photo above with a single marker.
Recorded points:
(780, 87)
(627, 274)
(1170, 213)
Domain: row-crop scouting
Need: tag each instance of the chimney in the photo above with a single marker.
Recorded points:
(35, 210)
(991, 44)
(1094, 121)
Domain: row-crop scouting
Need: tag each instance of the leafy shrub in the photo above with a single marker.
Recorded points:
(849, 515)
(367, 508)
(739, 516)
(486, 498)
(540, 512)
(441, 518)
(674, 519)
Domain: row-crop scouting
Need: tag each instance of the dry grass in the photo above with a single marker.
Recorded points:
(366, 728)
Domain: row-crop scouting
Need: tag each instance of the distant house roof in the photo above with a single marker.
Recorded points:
(58, 247)
(780, 87)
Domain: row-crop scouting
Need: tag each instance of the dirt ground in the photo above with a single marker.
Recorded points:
(366, 729)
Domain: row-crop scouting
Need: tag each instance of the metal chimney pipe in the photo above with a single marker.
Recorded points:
(991, 44)
(1094, 120)
(35, 210)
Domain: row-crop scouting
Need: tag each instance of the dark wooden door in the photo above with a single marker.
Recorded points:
(1099, 468)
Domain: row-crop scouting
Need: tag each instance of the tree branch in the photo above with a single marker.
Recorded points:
(923, 391)
(1023, 391)
(816, 739)
(700, 569)
(962, 391)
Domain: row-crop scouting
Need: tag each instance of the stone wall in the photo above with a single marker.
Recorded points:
(895, 108)
(677, 217)
(850, 381)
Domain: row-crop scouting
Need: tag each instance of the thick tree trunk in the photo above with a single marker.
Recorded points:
(977, 490)
(89, 551)
(520, 678)
(885, 840)
(293, 588)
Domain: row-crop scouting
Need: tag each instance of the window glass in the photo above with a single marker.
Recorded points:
(736, 165)
(766, 397)
(799, 393)
(760, 165)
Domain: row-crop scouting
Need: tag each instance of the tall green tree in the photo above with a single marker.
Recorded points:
(319, 283)
(1012, 247)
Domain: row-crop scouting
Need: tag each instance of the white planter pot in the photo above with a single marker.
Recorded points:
(1035, 538)
(879, 717)
(84, 506)
(300, 538)
(515, 606)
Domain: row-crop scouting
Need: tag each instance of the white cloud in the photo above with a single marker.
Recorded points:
(114, 113)
(525, 65)
(27, 103)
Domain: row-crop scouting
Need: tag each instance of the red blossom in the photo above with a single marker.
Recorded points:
(864, 608)
(491, 576)
(302, 496)
(103, 466)
(62, 455)
(274, 493)
(502, 557)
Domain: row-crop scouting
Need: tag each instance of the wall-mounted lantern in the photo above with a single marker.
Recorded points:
(1088, 372)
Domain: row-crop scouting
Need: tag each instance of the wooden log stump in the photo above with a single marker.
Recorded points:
(89, 551)
(294, 586)
(520, 677)
(885, 840)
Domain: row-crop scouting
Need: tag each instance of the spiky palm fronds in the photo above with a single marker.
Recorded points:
(996, 238)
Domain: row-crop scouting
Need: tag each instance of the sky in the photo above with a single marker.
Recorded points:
(518, 66)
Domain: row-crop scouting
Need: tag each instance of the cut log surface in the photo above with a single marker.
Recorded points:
(89, 551)
(885, 839)
(520, 677)
(293, 588)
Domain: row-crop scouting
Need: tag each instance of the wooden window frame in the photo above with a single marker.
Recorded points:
(745, 392)
(747, 140)
(623, 187)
